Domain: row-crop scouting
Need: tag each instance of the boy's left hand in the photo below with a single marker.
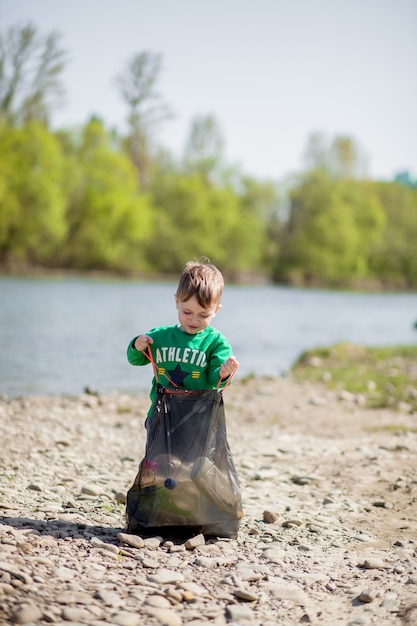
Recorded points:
(229, 367)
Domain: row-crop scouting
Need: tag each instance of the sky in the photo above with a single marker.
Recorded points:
(271, 72)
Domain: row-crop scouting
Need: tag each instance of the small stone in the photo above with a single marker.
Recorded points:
(14, 573)
(110, 598)
(132, 540)
(177, 548)
(287, 592)
(65, 573)
(91, 491)
(245, 594)
(383, 504)
(174, 595)
(73, 597)
(250, 575)
(301, 480)
(34, 487)
(269, 517)
(120, 497)
(194, 588)
(206, 562)
(167, 617)
(367, 596)
(195, 542)
(239, 613)
(291, 523)
(274, 555)
(125, 618)
(75, 614)
(152, 542)
(364, 537)
(188, 596)
(165, 577)
(158, 602)
(150, 563)
(391, 603)
(374, 563)
(26, 613)
(110, 547)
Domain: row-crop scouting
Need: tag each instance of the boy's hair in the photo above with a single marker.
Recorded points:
(203, 280)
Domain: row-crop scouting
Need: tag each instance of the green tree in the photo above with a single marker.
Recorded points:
(197, 218)
(32, 216)
(31, 67)
(341, 156)
(331, 225)
(259, 220)
(393, 257)
(109, 220)
(137, 85)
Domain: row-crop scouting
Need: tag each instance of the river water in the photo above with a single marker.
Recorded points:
(61, 335)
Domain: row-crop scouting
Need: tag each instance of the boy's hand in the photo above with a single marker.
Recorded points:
(229, 367)
(142, 342)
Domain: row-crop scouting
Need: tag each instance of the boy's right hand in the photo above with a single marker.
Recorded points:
(142, 342)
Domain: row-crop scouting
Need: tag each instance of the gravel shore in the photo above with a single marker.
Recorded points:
(329, 533)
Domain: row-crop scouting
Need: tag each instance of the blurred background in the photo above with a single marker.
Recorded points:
(276, 138)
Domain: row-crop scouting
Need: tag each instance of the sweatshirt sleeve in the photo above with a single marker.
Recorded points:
(220, 352)
(136, 357)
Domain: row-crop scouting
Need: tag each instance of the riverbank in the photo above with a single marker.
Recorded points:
(328, 536)
(241, 278)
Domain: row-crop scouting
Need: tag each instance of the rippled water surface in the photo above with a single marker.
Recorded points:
(58, 336)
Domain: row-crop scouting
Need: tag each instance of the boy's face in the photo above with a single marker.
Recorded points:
(192, 317)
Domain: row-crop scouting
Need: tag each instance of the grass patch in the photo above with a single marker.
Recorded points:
(385, 377)
(393, 428)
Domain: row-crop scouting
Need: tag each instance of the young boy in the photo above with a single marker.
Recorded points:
(191, 354)
(187, 481)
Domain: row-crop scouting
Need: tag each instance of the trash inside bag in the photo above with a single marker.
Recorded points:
(187, 481)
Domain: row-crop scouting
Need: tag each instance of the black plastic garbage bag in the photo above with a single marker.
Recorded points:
(187, 481)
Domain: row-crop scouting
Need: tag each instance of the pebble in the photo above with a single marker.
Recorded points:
(367, 595)
(166, 617)
(239, 613)
(131, 540)
(245, 594)
(26, 613)
(125, 618)
(269, 517)
(374, 563)
(195, 542)
(312, 543)
(165, 577)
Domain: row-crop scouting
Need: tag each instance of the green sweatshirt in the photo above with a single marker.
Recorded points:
(189, 361)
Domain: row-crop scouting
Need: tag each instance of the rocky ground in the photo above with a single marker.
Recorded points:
(329, 534)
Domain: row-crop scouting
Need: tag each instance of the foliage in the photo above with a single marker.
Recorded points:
(32, 216)
(340, 156)
(89, 198)
(383, 377)
(197, 218)
(393, 257)
(108, 219)
(331, 224)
